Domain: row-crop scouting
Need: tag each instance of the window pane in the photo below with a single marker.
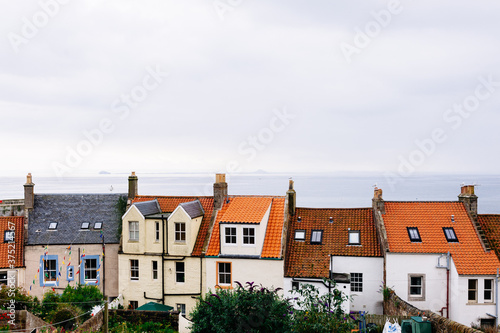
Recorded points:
(472, 284)
(300, 234)
(416, 281)
(415, 291)
(488, 284)
(354, 237)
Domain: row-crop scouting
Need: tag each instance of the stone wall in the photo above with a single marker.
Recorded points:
(12, 207)
(24, 320)
(93, 324)
(395, 306)
(145, 316)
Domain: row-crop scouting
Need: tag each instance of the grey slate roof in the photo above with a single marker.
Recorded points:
(193, 208)
(69, 211)
(148, 207)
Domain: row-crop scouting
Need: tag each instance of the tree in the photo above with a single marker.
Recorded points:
(250, 309)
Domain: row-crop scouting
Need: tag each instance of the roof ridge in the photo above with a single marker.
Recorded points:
(349, 208)
(423, 201)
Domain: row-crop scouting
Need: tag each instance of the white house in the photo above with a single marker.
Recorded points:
(436, 259)
(340, 244)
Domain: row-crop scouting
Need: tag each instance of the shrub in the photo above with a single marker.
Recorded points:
(321, 313)
(250, 309)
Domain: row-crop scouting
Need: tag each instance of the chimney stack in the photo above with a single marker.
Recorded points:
(220, 190)
(291, 196)
(29, 194)
(132, 187)
(377, 201)
(469, 199)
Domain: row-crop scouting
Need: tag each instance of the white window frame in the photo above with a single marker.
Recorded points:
(414, 296)
(316, 236)
(181, 307)
(249, 237)
(235, 236)
(300, 235)
(180, 232)
(154, 270)
(490, 290)
(133, 231)
(224, 273)
(357, 282)
(157, 232)
(134, 270)
(475, 290)
(180, 272)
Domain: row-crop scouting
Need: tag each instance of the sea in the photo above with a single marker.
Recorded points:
(336, 190)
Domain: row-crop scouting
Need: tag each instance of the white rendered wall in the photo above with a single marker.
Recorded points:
(370, 299)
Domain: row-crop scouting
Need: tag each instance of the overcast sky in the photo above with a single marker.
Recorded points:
(238, 85)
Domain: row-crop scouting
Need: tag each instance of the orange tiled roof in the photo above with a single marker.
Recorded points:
(430, 217)
(239, 212)
(304, 259)
(490, 224)
(18, 223)
(251, 210)
(168, 204)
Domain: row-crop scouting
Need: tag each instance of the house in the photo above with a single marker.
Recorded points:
(12, 268)
(72, 239)
(163, 238)
(340, 244)
(247, 242)
(435, 257)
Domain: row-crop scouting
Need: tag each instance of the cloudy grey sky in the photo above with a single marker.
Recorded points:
(237, 85)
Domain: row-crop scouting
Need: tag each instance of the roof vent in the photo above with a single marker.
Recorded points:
(453, 218)
(299, 219)
(331, 219)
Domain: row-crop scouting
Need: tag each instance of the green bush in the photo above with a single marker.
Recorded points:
(250, 309)
(321, 313)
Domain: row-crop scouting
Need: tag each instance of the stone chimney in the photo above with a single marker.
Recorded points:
(469, 199)
(377, 201)
(29, 193)
(220, 190)
(291, 196)
(132, 187)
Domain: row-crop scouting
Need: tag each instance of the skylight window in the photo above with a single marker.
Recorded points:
(52, 225)
(316, 236)
(354, 237)
(300, 235)
(85, 225)
(450, 235)
(414, 234)
(98, 225)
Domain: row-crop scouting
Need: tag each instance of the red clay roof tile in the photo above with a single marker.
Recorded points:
(304, 259)
(468, 253)
(15, 223)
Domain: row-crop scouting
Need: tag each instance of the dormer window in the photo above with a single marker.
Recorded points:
(98, 225)
(9, 236)
(414, 234)
(85, 225)
(249, 236)
(316, 236)
(230, 233)
(450, 235)
(52, 225)
(180, 232)
(354, 237)
(300, 235)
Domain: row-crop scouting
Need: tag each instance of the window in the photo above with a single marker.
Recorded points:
(98, 225)
(450, 235)
(133, 231)
(52, 225)
(180, 232)
(182, 309)
(295, 285)
(70, 273)
(179, 271)
(416, 287)
(472, 286)
(488, 290)
(157, 231)
(85, 225)
(414, 234)
(9, 236)
(248, 235)
(357, 282)
(133, 305)
(487, 322)
(3, 277)
(316, 236)
(224, 274)
(49, 267)
(155, 269)
(354, 237)
(300, 235)
(134, 269)
(230, 233)
(89, 271)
